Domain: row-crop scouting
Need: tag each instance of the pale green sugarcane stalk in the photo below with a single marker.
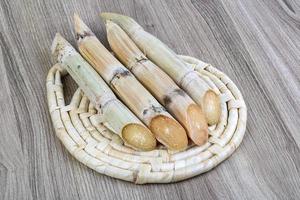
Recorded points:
(172, 64)
(120, 119)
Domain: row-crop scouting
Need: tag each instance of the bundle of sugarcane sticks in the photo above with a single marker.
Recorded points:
(145, 94)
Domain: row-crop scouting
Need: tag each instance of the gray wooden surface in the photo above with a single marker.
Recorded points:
(257, 43)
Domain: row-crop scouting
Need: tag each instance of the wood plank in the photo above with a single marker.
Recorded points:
(13, 174)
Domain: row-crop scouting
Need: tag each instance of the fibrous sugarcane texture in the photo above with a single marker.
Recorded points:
(165, 128)
(170, 62)
(177, 102)
(121, 120)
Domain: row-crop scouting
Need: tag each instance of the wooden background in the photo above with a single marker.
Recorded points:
(256, 43)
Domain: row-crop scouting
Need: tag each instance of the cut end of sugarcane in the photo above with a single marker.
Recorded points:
(111, 28)
(139, 137)
(59, 43)
(211, 107)
(113, 16)
(81, 29)
(169, 132)
(196, 125)
(127, 23)
(109, 24)
(58, 39)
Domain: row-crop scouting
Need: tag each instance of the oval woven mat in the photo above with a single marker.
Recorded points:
(81, 131)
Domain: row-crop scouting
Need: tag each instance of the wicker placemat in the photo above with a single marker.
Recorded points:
(81, 131)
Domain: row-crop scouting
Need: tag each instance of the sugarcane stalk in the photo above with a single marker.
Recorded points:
(165, 90)
(172, 64)
(165, 128)
(121, 120)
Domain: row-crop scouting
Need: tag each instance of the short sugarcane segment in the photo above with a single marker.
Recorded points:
(177, 102)
(171, 63)
(121, 120)
(129, 89)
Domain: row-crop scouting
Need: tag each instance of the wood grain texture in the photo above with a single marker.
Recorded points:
(256, 43)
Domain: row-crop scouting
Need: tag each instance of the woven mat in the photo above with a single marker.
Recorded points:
(81, 131)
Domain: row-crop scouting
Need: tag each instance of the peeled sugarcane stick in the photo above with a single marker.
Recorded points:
(170, 62)
(177, 102)
(120, 119)
(165, 128)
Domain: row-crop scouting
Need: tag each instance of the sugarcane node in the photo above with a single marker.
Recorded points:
(167, 100)
(136, 62)
(121, 73)
(157, 109)
(139, 137)
(211, 106)
(141, 59)
(169, 132)
(145, 111)
(103, 104)
(83, 35)
(196, 125)
(153, 109)
(179, 92)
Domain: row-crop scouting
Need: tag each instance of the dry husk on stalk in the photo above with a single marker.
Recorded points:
(177, 102)
(165, 128)
(172, 64)
(120, 119)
